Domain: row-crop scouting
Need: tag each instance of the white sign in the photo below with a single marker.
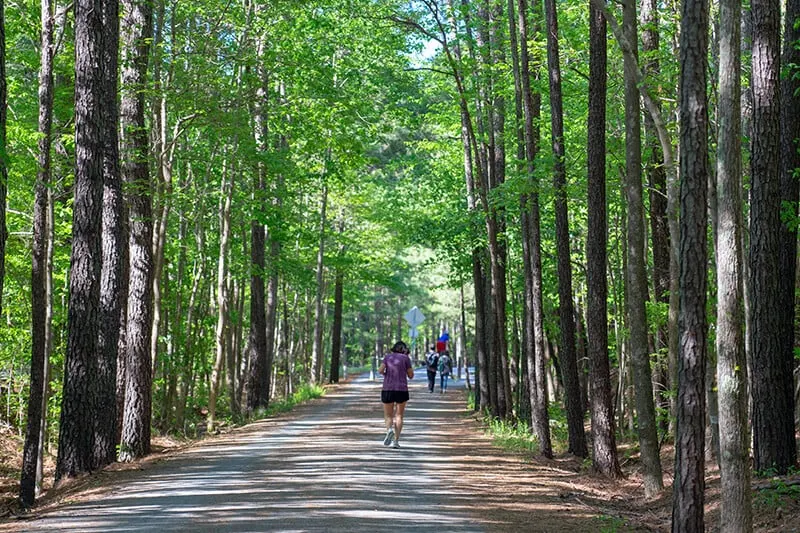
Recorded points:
(414, 317)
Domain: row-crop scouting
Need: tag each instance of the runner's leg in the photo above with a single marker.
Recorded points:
(388, 409)
(398, 419)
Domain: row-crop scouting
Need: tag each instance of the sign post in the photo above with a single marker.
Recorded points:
(414, 318)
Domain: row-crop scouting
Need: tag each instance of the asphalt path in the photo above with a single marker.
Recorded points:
(322, 467)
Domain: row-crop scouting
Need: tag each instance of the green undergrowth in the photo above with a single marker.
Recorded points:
(303, 394)
(516, 435)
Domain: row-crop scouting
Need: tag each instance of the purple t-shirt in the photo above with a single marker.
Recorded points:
(396, 377)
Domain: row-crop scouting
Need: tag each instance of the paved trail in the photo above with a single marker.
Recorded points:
(324, 468)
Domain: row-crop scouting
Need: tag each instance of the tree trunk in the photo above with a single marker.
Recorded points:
(532, 245)
(222, 294)
(113, 284)
(790, 189)
(316, 354)
(39, 304)
(736, 514)
(604, 442)
(336, 333)
(3, 152)
(636, 274)
(774, 444)
(569, 365)
(136, 31)
(689, 485)
(75, 437)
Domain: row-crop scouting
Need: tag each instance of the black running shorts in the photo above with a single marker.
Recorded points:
(394, 396)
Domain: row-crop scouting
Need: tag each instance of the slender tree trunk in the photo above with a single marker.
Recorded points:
(636, 274)
(3, 152)
(38, 384)
(222, 295)
(532, 240)
(336, 333)
(657, 180)
(316, 354)
(774, 443)
(604, 441)
(689, 485)
(75, 437)
(736, 514)
(569, 365)
(136, 31)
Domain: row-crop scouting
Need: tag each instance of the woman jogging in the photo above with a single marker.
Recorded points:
(396, 369)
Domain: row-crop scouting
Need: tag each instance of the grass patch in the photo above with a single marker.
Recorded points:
(513, 437)
(305, 393)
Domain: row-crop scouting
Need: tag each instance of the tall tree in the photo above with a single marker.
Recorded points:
(316, 354)
(532, 251)
(736, 514)
(75, 436)
(39, 303)
(567, 356)
(257, 393)
(113, 283)
(636, 277)
(604, 441)
(789, 185)
(687, 498)
(657, 181)
(223, 300)
(774, 444)
(136, 30)
(3, 154)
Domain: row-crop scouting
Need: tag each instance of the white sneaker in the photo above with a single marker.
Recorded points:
(395, 444)
(389, 436)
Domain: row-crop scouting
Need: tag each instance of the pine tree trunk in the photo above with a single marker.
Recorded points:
(604, 441)
(790, 189)
(569, 365)
(774, 444)
(39, 304)
(532, 245)
(113, 284)
(75, 437)
(688, 488)
(736, 514)
(136, 30)
(637, 293)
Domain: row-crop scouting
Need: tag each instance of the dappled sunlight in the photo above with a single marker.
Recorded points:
(326, 469)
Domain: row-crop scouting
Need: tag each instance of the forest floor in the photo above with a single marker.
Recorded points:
(322, 467)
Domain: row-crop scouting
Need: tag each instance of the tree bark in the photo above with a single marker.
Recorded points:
(136, 30)
(316, 351)
(567, 357)
(689, 485)
(604, 441)
(636, 274)
(532, 256)
(39, 303)
(113, 283)
(774, 444)
(3, 153)
(222, 294)
(75, 437)
(790, 189)
(736, 514)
